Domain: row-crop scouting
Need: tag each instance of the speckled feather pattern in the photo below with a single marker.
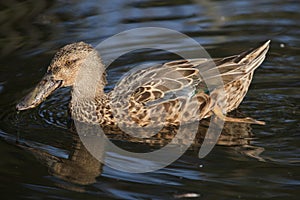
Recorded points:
(168, 94)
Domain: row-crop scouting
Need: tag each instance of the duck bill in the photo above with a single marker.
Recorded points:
(44, 88)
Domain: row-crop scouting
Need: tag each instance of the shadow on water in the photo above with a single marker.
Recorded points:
(43, 158)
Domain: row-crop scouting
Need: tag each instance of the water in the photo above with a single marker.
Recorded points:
(36, 144)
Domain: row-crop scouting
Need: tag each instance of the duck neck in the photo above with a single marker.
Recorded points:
(90, 80)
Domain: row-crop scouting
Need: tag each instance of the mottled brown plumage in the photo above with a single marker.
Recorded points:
(168, 94)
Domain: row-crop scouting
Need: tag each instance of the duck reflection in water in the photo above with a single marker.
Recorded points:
(80, 167)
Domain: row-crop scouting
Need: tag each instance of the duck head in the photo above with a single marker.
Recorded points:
(62, 72)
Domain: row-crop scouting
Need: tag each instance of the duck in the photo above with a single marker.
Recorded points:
(169, 93)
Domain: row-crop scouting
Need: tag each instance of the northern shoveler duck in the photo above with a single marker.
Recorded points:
(155, 95)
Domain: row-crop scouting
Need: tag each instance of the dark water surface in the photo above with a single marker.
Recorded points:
(40, 164)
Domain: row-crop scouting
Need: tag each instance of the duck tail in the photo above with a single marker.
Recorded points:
(253, 57)
(235, 67)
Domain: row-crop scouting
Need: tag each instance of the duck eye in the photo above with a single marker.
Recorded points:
(68, 62)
